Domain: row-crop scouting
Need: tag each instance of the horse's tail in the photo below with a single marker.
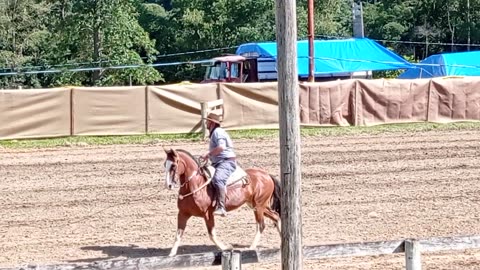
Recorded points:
(275, 202)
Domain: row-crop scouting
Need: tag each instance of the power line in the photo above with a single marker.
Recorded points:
(188, 53)
(116, 61)
(404, 42)
(196, 52)
(429, 43)
(52, 71)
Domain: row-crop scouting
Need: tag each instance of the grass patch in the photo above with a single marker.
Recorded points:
(334, 131)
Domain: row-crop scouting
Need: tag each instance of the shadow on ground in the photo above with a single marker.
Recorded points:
(133, 251)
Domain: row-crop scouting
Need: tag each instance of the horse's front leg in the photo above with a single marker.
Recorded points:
(210, 222)
(182, 219)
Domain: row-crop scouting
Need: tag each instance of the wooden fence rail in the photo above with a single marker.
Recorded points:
(410, 247)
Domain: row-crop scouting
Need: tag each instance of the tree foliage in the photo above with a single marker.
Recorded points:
(65, 36)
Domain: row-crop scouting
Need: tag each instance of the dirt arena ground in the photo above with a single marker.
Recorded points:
(86, 203)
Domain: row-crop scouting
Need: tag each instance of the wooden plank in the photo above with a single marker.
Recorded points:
(354, 249)
(226, 260)
(232, 260)
(270, 255)
(203, 113)
(412, 255)
(215, 103)
(190, 260)
(449, 243)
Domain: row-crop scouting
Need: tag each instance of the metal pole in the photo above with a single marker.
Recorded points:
(289, 116)
(357, 11)
(468, 22)
(311, 37)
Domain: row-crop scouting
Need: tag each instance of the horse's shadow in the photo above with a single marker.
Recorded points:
(134, 251)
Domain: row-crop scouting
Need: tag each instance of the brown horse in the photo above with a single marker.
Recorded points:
(259, 190)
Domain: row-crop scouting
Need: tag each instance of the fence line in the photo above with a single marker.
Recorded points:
(410, 247)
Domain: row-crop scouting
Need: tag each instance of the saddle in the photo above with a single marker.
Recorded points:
(239, 176)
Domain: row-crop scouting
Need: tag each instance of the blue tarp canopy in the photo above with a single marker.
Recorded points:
(335, 56)
(445, 64)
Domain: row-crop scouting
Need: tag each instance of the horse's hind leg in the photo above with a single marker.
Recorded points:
(275, 218)
(182, 219)
(210, 222)
(259, 211)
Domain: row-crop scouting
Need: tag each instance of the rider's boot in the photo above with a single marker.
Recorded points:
(220, 209)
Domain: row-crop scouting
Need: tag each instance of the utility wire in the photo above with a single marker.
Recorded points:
(50, 71)
(404, 42)
(200, 52)
(56, 70)
(116, 61)
(414, 65)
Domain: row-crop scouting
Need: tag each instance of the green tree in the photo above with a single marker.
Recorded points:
(102, 33)
(23, 36)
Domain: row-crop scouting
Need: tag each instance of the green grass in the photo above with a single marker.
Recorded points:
(238, 134)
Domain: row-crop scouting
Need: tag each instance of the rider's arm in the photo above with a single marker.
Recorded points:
(217, 150)
(221, 145)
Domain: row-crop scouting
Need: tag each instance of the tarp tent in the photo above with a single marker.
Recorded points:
(445, 64)
(334, 56)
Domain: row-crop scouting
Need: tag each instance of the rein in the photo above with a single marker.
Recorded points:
(182, 196)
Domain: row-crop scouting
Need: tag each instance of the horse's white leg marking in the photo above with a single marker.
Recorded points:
(178, 238)
(218, 243)
(258, 234)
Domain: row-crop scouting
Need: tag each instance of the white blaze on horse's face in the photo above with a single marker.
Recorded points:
(168, 177)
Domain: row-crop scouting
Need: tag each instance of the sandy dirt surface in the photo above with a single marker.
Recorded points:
(87, 203)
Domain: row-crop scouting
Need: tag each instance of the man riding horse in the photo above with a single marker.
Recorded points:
(222, 157)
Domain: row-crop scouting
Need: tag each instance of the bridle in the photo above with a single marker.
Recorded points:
(187, 181)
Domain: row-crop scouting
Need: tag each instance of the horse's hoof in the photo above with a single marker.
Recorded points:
(171, 255)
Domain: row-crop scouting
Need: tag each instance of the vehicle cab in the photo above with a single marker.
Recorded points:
(225, 69)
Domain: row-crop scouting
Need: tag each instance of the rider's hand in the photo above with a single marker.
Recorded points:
(205, 157)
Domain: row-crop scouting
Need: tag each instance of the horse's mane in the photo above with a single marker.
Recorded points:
(190, 155)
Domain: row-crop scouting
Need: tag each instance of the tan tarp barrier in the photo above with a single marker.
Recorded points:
(177, 108)
(328, 103)
(109, 110)
(34, 113)
(454, 99)
(252, 105)
(391, 101)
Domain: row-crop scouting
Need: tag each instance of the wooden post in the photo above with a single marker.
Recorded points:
(412, 255)
(204, 115)
(232, 260)
(289, 115)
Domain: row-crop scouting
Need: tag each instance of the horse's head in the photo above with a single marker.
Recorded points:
(176, 166)
(171, 168)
